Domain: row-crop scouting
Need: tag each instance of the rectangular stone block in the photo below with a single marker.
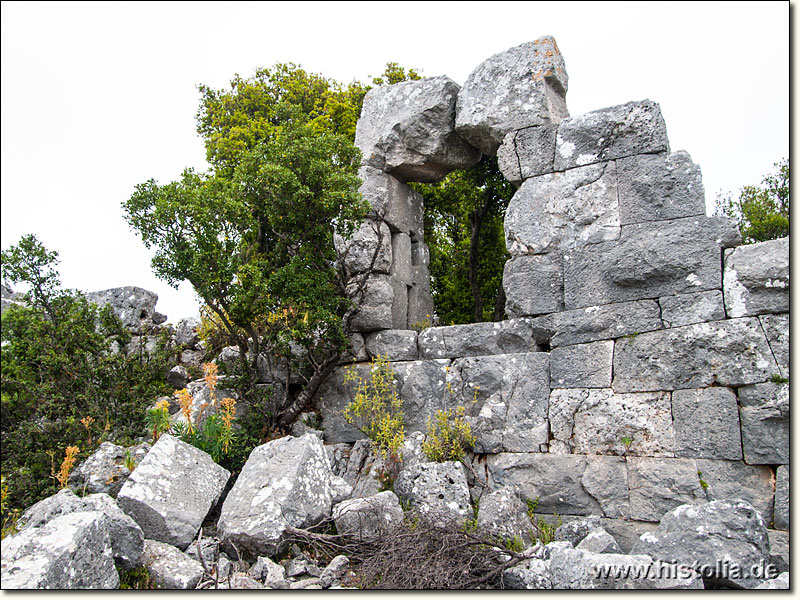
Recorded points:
(732, 352)
(657, 485)
(781, 506)
(658, 187)
(687, 309)
(582, 365)
(764, 414)
(706, 423)
(420, 302)
(527, 152)
(375, 303)
(393, 201)
(756, 278)
(401, 257)
(733, 480)
(393, 344)
(477, 339)
(368, 249)
(649, 260)
(598, 421)
(610, 133)
(534, 285)
(596, 323)
(776, 328)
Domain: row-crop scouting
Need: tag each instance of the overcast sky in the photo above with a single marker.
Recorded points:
(97, 97)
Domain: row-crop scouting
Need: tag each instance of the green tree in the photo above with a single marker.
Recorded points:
(762, 212)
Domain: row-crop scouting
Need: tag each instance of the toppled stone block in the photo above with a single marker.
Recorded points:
(582, 365)
(732, 352)
(734, 480)
(476, 339)
(658, 187)
(170, 568)
(285, 482)
(610, 133)
(104, 472)
(598, 421)
(781, 506)
(712, 538)
(706, 422)
(658, 485)
(172, 490)
(764, 414)
(527, 153)
(599, 541)
(520, 87)
(688, 309)
(563, 211)
(393, 201)
(178, 377)
(649, 261)
(135, 306)
(756, 278)
(502, 513)
(393, 344)
(776, 328)
(368, 249)
(363, 467)
(436, 490)
(269, 573)
(534, 285)
(368, 518)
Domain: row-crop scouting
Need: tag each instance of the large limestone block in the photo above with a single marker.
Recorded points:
(711, 538)
(368, 249)
(649, 261)
(781, 506)
(687, 309)
(567, 485)
(285, 482)
(407, 129)
(502, 513)
(402, 259)
(393, 344)
(776, 328)
(582, 365)
(527, 153)
(534, 285)
(421, 387)
(368, 518)
(658, 485)
(104, 472)
(420, 310)
(658, 187)
(436, 490)
(734, 480)
(732, 353)
(520, 87)
(610, 133)
(530, 574)
(135, 306)
(169, 568)
(706, 422)
(70, 552)
(598, 421)
(376, 300)
(476, 339)
(170, 493)
(764, 414)
(506, 396)
(563, 211)
(393, 201)
(756, 278)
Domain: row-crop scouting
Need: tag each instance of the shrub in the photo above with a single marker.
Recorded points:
(449, 436)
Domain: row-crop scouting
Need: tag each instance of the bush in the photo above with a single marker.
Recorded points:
(449, 436)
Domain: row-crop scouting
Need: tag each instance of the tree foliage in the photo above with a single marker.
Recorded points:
(762, 212)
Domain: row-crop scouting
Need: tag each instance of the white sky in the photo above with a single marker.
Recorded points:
(97, 97)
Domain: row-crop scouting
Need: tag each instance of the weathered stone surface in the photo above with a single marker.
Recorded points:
(62, 503)
(658, 485)
(534, 285)
(764, 415)
(503, 513)
(626, 532)
(284, 482)
(393, 201)
(734, 480)
(658, 187)
(719, 532)
(596, 323)
(369, 517)
(476, 339)
(507, 396)
(393, 344)
(72, 551)
(567, 485)
(375, 308)
(134, 306)
(420, 309)
(776, 328)
(341, 490)
(269, 573)
(649, 261)
(563, 211)
(781, 582)
(169, 568)
(421, 387)
(358, 348)
(240, 581)
(178, 377)
(582, 365)
(368, 249)
(610, 133)
(756, 278)
(402, 259)
(599, 541)
(598, 421)
(779, 549)
(706, 423)
(520, 87)
(527, 153)
(781, 507)
(574, 531)
(436, 490)
(731, 352)
(172, 490)
(362, 470)
(531, 574)
(407, 129)
(687, 309)
(333, 397)
(186, 332)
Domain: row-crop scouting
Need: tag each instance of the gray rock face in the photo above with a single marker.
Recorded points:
(732, 352)
(734, 480)
(178, 377)
(172, 490)
(756, 278)
(582, 365)
(527, 153)
(764, 415)
(362, 468)
(368, 249)
(729, 532)
(534, 285)
(270, 573)
(368, 518)
(521, 87)
(104, 471)
(376, 306)
(649, 261)
(779, 550)
(687, 309)
(563, 211)
(476, 339)
(284, 482)
(436, 490)
(170, 568)
(407, 129)
(72, 551)
(776, 328)
(574, 531)
(658, 485)
(658, 187)
(133, 305)
(52, 507)
(393, 201)
(186, 333)
(503, 513)
(611, 133)
(393, 344)
(599, 541)
(531, 574)
(781, 512)
(706, 422)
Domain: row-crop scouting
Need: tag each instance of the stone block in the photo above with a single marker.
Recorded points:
(611, 133)
(520, 87)
(563, 211)
(421, 387)
(436, 490)
(776, 328)
(368, 518)
(420, 302)
(706, 423)
(779, 549)
(781, 506)
(732, 353)
(369, 249)
(401, 258)
(527, 153)
(534, 285)
(734, 480)
(764, 415)
(502, 513)
(169, 568)
(575, 528)
(376, 307)
(582, 365)
(756, 278)
(135, 306)
(476, 339)
(658, 485)
(393, 344)
(687, 309)
(393, 201)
